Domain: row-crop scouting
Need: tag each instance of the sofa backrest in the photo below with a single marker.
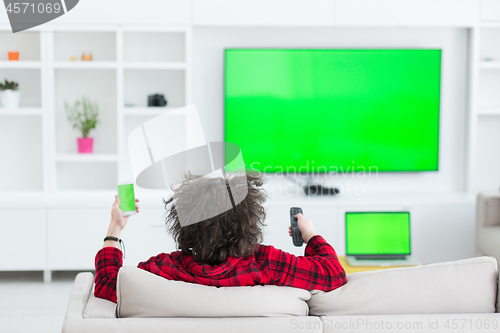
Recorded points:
(464, 286)
(143, 294)
(487, 210)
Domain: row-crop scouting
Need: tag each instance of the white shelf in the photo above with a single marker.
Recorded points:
(489, 111)
(155, 65)
(490, 24)
(129, 64)
(21, 112)
(148, 111)
(20, 64)
(85, 64)
(489, 64)
(85, 158)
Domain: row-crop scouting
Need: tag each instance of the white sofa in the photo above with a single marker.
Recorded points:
(460, 296)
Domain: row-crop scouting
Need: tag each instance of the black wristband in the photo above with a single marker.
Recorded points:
(116, 239)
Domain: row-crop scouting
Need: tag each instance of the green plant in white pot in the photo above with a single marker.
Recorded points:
(10, 94)
(83, 116)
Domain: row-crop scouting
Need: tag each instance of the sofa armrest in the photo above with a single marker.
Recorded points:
(74, 321)
(487, 211)
(79, 296)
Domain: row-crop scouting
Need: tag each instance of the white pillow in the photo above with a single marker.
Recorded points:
(99, 308)
(465, 286)
(142, 294)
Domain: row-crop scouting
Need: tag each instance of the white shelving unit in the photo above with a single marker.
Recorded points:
(128, 64)
(44, 174)
(24, 128)
(483, 158)
(72, 80)
(153, 61)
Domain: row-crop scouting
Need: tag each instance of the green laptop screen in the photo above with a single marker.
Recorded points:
(377, 233)
(334, 110)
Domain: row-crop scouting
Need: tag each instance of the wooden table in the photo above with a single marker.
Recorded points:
(350, 269)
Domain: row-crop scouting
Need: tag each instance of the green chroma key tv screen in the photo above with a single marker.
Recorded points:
(334, 110)
(378, 233)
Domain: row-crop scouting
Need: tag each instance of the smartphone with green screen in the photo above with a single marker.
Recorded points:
(127, 197)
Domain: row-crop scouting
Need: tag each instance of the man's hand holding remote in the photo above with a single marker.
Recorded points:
(306, 228)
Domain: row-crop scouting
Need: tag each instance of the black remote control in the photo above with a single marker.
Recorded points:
(296, 235)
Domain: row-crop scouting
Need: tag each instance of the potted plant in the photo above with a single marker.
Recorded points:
(10, 94)
(83, 115)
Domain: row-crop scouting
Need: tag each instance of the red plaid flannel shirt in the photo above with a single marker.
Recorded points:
(318, 269)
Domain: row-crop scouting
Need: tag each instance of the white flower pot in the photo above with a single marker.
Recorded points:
(10, 98)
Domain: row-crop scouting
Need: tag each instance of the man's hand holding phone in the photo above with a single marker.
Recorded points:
(117, 217)
(118, 222)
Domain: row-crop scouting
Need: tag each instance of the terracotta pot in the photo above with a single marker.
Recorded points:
(13, 55)
(85, 145)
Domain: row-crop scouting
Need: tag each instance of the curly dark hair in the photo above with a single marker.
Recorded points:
(235, 233)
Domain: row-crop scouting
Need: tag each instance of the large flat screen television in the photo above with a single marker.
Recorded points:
(332, 110)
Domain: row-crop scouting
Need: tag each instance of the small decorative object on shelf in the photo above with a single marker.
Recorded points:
(157, 100)
(86, 56)
(10, 94)
(83, 115)
(73, 58)
(13, 55)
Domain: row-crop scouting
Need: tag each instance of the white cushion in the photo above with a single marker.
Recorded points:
(99, 308)
(488, 241)
(142, 294)
(465, 286)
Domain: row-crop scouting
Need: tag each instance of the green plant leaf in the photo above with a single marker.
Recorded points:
(9, 85)
(83, 114)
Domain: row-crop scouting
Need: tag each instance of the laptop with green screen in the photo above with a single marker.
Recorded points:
(378, 239)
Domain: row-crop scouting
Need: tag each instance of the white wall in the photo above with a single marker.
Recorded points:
(209, 45)
(457, 13)
(441, 230)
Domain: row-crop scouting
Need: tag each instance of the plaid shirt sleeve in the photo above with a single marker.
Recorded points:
(108, 262)
(319, 269)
